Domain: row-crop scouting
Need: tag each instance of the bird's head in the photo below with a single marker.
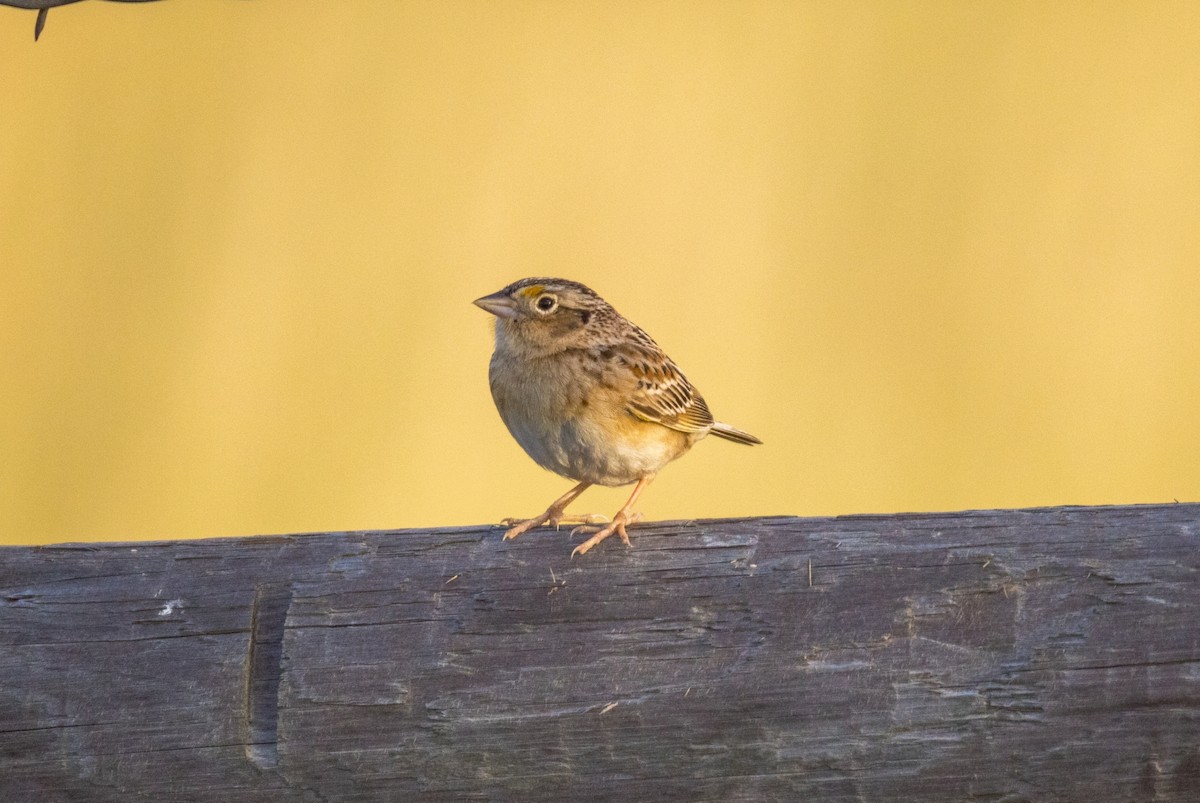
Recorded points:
(543, 316)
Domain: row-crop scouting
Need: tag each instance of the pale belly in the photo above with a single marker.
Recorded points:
(583, 435)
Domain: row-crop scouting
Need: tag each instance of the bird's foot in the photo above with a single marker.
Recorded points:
(551, 517)
(518, 526)
(617, 525)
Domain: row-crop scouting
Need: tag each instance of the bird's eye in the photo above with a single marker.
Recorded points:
(546, 303)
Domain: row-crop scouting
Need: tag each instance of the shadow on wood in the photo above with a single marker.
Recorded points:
(1002, 655)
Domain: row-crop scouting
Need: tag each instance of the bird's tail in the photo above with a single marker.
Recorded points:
(733, 434)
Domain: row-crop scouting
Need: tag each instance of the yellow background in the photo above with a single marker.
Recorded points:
(936, 255)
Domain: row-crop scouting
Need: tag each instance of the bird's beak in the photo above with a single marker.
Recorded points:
(499, 304)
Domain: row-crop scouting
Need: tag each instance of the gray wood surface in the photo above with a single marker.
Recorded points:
(1029, 655)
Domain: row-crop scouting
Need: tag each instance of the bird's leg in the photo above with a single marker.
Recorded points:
(553, 515)
(624, 516)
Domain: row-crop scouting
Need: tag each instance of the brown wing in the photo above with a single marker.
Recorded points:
(663, 395)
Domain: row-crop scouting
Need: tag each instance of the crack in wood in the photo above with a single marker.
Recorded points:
(264, 659)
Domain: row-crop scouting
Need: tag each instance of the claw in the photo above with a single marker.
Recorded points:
(518, 526)
(617, 525)
(582, 519)
(554, 517)
(553, 514)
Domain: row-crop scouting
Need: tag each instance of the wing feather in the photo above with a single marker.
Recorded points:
(663, 395)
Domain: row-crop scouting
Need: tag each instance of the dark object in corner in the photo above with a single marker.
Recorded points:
(43, 9)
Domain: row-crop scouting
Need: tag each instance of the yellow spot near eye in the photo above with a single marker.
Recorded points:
(532, 290)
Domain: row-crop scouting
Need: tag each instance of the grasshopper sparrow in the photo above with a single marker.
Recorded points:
(589, 396)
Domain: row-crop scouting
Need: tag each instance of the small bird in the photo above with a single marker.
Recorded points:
(589, 396)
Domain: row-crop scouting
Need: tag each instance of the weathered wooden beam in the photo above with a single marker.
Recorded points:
(1021, 655)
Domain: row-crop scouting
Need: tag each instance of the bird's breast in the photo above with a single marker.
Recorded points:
(578, 426)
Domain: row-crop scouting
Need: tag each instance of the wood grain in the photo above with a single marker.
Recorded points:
(1027, 655)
